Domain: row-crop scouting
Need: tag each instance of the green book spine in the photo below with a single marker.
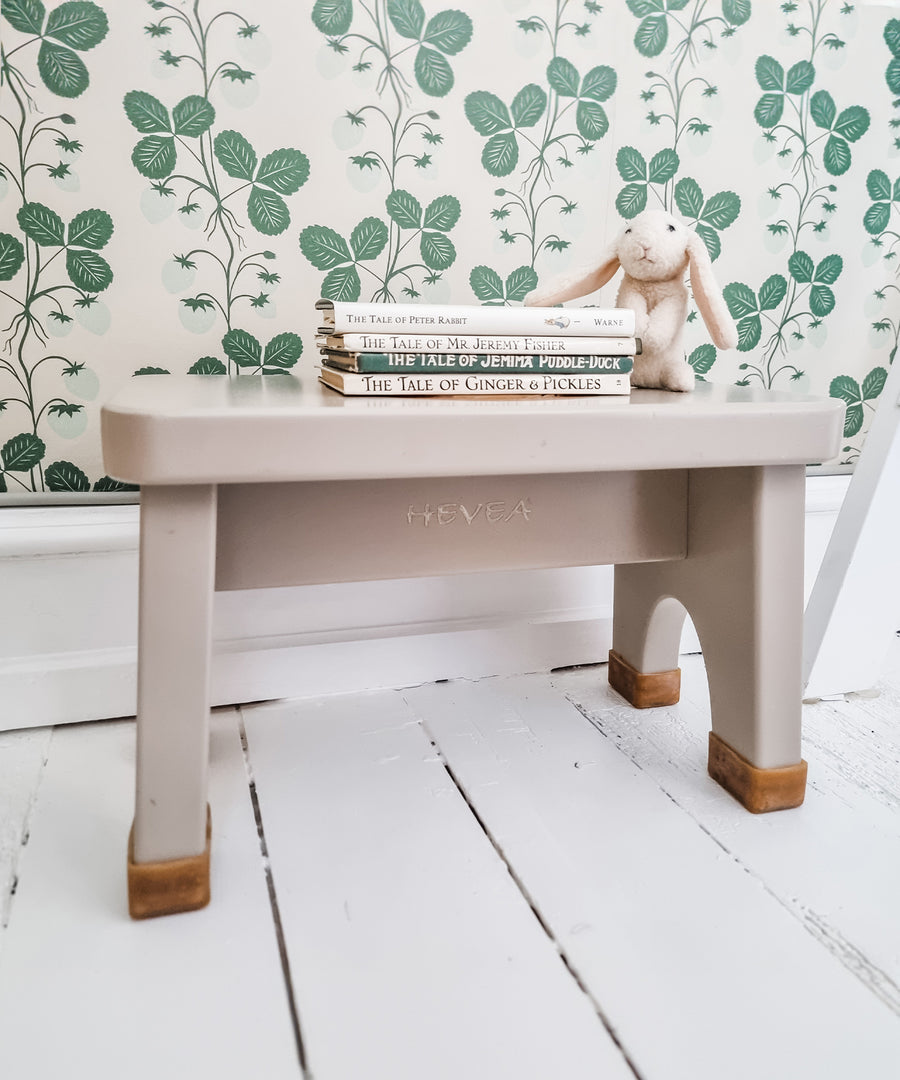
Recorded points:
(456, 363)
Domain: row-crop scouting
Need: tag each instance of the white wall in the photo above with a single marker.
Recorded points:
(804, 217)
(68, 578)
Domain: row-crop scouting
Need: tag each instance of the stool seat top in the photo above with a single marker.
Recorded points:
(197, 429)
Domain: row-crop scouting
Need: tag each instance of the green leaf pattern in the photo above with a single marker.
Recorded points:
(52, 264)
(246, 352)
(235, 154)
(568, 119)
(409, 247)
(146, 113)
(539, 135)
(78, 24)
(490, 288)
(192, 116)
(26, 16)
(154, 156)
(333, 17)
(66, 476)
(219, 170)
(12, 255)
(267, 211)
(62, 71)
(404, 208)
(41, 224)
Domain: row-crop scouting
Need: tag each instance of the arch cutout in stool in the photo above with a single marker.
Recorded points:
(742, 592)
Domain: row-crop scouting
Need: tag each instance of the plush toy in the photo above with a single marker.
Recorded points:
(654, 249)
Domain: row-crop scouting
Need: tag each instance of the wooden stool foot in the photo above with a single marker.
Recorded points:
(758, 790)
(643, 690)
(169, 886)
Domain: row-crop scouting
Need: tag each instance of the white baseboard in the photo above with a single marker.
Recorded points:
(68, 579)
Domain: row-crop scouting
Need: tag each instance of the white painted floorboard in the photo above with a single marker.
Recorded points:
(513, 878)
(689, 955)
(413, 953)
(834, 863)
(23, 755)
(87, 994)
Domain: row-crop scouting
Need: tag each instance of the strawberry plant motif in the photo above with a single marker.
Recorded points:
(279, 355)
(53, 266)
(180, 148)
(683, 30)
(545, 125)
(857, 397)
(384, 249)
(813, 136)
(861, 400)
(445, 34)
(491, 289)
(695, 24)
(652, 34)
(73, 27)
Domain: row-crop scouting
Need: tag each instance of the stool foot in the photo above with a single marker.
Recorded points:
(169, 886)
(758, 790)
(643, 690)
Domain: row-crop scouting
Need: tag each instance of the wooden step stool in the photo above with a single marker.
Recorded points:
(698, 500)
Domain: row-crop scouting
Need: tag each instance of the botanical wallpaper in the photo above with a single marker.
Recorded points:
(181, 179)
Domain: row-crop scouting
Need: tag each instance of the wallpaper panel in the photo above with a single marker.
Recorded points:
(181, 180)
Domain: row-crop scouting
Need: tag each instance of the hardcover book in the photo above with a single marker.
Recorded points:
(414, 362)
(550, 344)
(343, 316)
(481, 383)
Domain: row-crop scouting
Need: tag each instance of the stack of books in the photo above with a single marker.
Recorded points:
(446, 350)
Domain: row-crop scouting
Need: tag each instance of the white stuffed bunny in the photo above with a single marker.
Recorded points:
(654, 249)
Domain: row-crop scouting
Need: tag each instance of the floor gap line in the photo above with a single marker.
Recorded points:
(852, 959)
(529, 900)
(273, 903)
(7, 906)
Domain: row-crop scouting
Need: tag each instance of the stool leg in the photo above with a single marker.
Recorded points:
(643, 662)
(168, 861)
(742, 582)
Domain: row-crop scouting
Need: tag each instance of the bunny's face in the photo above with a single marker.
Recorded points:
(653, 246)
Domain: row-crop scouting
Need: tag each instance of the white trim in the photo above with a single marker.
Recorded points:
(67, 530)
(68, 576)
(854, 609)
(825, 493)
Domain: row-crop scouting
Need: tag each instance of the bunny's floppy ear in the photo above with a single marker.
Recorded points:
(708, 297)
(578, 283)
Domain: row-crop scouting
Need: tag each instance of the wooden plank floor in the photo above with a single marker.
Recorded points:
(507, 878)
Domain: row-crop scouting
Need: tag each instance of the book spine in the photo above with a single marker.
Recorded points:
(455, 363)
(548, 344)
(465, 384)
(348, 316)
